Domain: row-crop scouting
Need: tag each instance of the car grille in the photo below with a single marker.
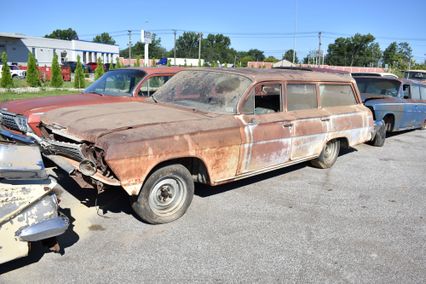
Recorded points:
(66, 149)
(9, 120)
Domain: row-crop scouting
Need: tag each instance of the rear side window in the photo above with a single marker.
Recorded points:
(336, 95)
(415, 92)
(301, 96)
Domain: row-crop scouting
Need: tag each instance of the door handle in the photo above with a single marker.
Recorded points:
(289, 125)
(325, 119)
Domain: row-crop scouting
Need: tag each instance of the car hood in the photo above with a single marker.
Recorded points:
(371, 96)
(28, 106)
(89, 123)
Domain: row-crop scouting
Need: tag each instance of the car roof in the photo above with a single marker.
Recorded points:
(282, 74)
(402, 80)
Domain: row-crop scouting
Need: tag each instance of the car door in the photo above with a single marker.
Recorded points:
(347, 117)
(266, 129)
(417, 117)
(408, 119)
(309, 124)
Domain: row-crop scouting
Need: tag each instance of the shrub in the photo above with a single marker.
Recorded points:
(138, 61)
(33, 77)
(6, 79)
(56, 80)
(118, 64)
(99, 71)
(79, 75)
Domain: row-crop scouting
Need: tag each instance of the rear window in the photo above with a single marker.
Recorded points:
(336, 95)
(301, 96)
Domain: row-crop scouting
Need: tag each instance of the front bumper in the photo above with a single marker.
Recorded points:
(45, 229)
(379, 129)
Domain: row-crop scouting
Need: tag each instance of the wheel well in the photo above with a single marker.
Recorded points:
(391, 119)
(195, 166)
(344, 143)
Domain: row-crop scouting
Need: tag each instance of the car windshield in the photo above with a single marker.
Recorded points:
(379, 86)
(204, 90)
(119, 83)
(415, 75)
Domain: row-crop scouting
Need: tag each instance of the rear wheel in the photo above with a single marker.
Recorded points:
(328, 155)
(166, 195)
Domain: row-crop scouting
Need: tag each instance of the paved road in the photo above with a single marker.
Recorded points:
(362, 221)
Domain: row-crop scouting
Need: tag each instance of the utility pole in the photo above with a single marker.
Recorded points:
(319, 48)
(199, 49)
(130, 46)
(174, 48)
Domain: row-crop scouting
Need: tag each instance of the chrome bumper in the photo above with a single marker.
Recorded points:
(45, 229)
(379, 128)
(17, 137)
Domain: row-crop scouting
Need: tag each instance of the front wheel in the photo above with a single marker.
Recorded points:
(328, 155)
(166, 195)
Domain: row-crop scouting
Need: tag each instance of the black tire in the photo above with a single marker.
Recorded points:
(328, 155)
(166, 195)
(379, 139)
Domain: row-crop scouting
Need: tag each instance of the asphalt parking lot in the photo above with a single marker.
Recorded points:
(362, 221)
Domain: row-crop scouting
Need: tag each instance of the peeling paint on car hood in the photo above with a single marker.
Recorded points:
(91, 122)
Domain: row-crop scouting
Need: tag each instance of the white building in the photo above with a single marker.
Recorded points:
(17, 47)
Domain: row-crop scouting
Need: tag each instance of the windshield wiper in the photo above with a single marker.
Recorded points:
(153, 98)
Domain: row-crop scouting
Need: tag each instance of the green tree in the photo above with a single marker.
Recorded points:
(271, 59)
(117, 63)
(104, 38)
(245, 59)
(111, 65)
(56, 80)
(99, 71)
(398, 55)
(68, 34)
(6, 78)
(216, 47)
(33, 77)
(79, 75)
(256, 54)
(358, 50)
(187, 45)
(288, 55)
(138, 61)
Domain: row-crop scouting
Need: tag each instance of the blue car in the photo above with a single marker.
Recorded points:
(400, 103)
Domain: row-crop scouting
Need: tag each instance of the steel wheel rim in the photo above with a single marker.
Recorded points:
(167, 196)
(330, 149)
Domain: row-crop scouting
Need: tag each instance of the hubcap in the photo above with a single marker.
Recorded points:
(329, 150)
(167, 196)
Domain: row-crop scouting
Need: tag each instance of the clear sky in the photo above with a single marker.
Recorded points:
(264, 24)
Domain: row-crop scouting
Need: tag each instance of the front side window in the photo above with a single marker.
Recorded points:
(265, 98)
(301, 96)
(150, 86)
(336, 95)
(116, 83)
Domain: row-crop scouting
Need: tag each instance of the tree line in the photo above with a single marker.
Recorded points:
(357, 50)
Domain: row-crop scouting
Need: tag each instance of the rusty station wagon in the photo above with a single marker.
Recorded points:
(210, 126)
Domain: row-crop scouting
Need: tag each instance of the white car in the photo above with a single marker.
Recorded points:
(15, 71)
